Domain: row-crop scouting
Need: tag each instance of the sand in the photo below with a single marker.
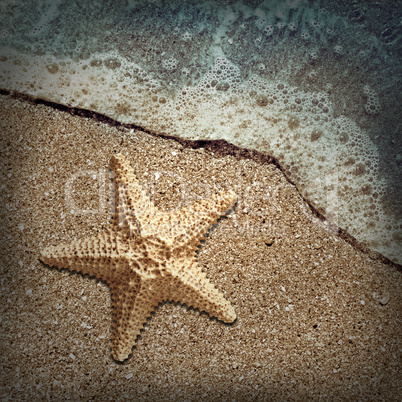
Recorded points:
(317, 318)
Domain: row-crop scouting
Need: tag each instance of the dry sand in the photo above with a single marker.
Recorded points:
(317, 318)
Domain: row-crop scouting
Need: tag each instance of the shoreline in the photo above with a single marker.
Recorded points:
(222, 147)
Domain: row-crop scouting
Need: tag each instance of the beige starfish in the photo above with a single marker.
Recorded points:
(147, 256)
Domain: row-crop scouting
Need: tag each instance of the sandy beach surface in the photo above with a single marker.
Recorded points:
(317, 319)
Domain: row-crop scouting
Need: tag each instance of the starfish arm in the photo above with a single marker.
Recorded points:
(95, 256)
(192, 287)
(189, 225)
(133, 302)
(133, 206)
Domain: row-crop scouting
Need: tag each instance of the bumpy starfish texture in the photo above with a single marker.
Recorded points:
(147, 256)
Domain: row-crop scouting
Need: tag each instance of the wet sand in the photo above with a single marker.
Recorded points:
(317, 318)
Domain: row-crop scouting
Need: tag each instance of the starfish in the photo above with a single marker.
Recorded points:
(147, 256)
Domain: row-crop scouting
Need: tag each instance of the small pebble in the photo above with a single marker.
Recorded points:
(385, 298)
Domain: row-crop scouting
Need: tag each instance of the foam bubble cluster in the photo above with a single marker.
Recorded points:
(373, 105)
